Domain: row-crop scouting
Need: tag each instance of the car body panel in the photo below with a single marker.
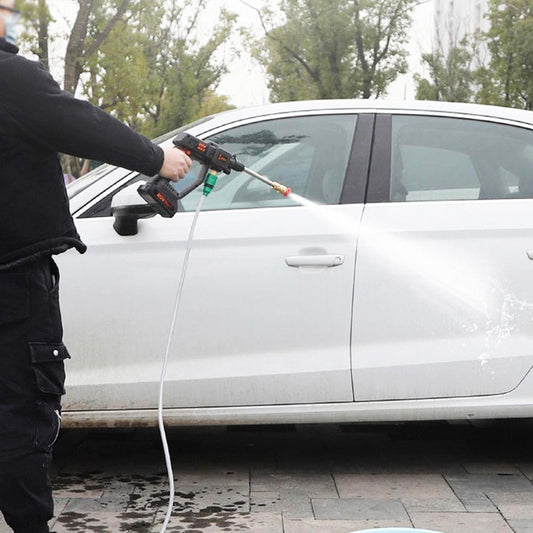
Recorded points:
(443, 306)
(251, 329)
(514, 404)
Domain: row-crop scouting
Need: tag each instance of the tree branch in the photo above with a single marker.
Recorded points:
(293, 53)
(102, 36)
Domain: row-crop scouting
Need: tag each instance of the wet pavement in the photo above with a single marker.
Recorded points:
(297, 479)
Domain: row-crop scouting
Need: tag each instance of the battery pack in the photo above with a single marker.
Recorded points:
(161, 196)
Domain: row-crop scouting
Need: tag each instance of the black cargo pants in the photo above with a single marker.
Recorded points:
(31, 384)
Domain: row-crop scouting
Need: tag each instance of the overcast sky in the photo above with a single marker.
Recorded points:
(420, 42)
(245, 84)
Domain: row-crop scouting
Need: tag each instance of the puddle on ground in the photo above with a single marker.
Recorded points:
(138, 500)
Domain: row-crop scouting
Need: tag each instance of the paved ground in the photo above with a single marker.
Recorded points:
(304, 479)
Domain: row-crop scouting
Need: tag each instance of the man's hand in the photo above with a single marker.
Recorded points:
(175, 165)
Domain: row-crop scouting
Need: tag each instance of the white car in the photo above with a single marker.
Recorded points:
(404, 292)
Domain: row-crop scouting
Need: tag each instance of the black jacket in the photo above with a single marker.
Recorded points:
(38, 120)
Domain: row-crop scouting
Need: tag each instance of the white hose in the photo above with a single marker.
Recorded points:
(165, 361)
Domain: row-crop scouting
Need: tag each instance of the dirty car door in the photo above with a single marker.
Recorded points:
(443, 292)
(265, 315)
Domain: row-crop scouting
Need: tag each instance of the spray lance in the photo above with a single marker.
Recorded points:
(164, 199)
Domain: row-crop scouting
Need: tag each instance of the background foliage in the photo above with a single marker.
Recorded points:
(506, 78)
(324, 49)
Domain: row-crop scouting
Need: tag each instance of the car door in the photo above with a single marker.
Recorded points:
(265, 315)
(444, 279)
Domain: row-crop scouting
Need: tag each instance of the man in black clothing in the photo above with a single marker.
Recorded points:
(38, 120)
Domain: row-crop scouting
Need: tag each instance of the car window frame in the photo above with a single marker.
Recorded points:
(379, 181)
(357, 170)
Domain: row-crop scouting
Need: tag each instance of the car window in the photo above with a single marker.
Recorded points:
(437, 158)
(308, 154)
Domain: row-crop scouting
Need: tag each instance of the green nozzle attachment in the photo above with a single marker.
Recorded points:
(210, 182)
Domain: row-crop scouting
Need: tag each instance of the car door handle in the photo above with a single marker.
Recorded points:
(331, 260)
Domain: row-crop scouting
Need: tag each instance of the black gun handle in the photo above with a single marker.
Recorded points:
(163, 198)
(196, 183)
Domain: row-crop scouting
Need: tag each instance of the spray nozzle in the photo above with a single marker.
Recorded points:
(282, 189)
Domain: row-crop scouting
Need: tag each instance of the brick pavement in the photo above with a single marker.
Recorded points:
(304, 479)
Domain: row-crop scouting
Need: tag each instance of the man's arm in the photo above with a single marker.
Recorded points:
(40, 111)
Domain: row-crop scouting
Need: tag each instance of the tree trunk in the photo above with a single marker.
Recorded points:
(367, 86)
(76, 47)
(42, 34)
(508, 75)
(77, 50)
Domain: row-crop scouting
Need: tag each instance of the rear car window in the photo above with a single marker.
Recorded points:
(438, 158)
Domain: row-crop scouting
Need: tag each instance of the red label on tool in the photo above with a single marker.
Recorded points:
(164, 200)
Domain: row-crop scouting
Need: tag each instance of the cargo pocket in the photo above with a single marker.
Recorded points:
(47, 362)
(47, 425)
(14, 297)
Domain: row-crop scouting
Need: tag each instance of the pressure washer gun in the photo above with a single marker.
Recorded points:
(164, 199)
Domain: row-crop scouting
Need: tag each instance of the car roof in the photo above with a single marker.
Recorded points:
(373, 106)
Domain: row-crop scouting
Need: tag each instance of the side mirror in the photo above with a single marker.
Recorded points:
(128, 207)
